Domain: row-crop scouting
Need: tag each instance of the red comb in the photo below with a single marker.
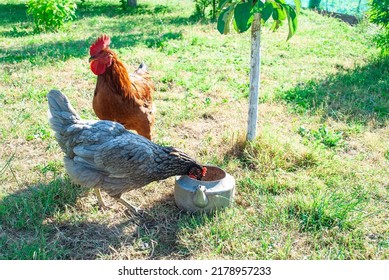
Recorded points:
(204, 171)
(101, 43)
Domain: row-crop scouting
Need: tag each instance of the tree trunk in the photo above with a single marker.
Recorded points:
(255, 72)
(131, 3)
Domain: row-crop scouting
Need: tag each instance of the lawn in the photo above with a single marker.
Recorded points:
(313, 185)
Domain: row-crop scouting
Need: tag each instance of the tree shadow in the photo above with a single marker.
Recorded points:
(90, 9)
(43, 53)
(349, 19)
(359, 95)
(16, 32)
(191, 20)
(45, 222)
(23, 216)
(50, 52)
(46, 53)
(166, 226)
(160, 40)
(12, 13)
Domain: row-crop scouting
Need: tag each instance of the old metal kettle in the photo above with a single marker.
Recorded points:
(215, 191)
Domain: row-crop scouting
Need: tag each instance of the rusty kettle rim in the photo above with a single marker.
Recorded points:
(214, 174)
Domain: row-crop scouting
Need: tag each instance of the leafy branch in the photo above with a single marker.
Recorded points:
(240, 14)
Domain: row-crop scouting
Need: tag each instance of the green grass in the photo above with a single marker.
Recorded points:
(313, 185)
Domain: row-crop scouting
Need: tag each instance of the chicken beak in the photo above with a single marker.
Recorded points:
(91, 59)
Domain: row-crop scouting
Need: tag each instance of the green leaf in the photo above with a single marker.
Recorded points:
(258, 7)
(298, 5)
(292, 20)
(276, 24)
(224, 20)
(279, 13)
(244, 16)
(222, 3)
(275, 14)
(267, 11)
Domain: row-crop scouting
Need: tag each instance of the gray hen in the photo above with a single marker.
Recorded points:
(104, 155)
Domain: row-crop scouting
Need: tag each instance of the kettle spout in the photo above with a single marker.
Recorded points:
(200, 199)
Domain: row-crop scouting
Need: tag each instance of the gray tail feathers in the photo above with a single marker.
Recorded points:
(61, 112)
(143, 66)
(142, 69)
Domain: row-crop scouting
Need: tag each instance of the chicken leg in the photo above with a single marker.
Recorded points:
(128, 205)
(100, 199)
(132, 209)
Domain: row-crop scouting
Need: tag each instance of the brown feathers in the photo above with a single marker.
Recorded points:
(121, 97)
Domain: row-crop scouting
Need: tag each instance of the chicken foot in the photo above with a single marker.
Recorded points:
(131, 208)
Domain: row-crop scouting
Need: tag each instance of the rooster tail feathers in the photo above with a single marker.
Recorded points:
(61, 112)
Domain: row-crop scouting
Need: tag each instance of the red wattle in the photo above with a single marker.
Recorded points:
(204, 171)
(97, 68)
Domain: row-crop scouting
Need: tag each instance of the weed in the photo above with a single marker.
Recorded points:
(161, 41)
(322, 136)
(7, 165)
(38, 131)
(51, 166)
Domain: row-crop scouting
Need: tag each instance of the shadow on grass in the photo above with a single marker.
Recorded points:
(49, 52)
(23, 216)
(41, 54)
(182, 21)
(359, 95)
(44, 53)
(91, 9)
(169, 221)
(12, 13)
(43, 222)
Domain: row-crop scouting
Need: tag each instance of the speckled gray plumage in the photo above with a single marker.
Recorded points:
(104, 154)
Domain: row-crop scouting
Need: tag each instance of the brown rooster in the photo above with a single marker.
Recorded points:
(121, 97)
(104, 155)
